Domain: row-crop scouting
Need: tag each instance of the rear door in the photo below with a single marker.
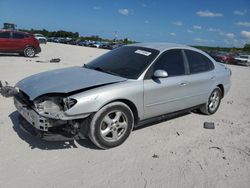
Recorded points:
(201, 79)
(18, 41)
(5, 44)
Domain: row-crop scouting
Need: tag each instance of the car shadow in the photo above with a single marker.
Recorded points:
(161, 120)
(14, 55)
(10, 54)
(35, 142)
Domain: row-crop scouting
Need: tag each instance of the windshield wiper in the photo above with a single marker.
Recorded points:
(106, 71)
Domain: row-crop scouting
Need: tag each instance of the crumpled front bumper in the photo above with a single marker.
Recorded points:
(31, 116)
(48, 136)
(32, 123)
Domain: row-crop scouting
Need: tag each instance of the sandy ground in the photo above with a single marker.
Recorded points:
(174, 153)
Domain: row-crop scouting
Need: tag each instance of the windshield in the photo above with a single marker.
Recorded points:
(128, 61)
(244, 56)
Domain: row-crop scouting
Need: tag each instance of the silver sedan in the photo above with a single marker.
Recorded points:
(126, 87)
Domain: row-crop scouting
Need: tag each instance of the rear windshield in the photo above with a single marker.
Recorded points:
(128, 61)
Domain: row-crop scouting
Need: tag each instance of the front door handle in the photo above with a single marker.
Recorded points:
(183, 84)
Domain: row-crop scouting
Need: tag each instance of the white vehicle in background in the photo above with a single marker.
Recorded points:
(243, 60)
(41, 38)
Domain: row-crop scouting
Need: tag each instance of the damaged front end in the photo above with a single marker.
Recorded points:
(45, 116)
(46, 100)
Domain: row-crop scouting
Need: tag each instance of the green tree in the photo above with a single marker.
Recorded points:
(247, 47)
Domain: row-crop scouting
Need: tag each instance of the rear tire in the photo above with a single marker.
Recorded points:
(29, 52)
(111, 125)
(213, 102)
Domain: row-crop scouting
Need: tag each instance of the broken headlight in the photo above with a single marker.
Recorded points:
(69, 103)
(54, 104)
(49, 105)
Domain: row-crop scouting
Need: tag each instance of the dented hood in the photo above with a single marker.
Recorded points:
(64, 81)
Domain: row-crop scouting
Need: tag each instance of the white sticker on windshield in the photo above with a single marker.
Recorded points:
(142, 52)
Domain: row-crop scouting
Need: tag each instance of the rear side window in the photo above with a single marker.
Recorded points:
(18, 36)
(198, 62)
(172, 62)
(4, 35)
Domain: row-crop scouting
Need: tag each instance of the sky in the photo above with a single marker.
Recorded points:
(223, 23)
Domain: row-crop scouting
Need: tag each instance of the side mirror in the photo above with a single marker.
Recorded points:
(160, 74)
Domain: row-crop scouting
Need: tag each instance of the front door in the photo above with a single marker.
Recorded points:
(5, 41)
(165, 95)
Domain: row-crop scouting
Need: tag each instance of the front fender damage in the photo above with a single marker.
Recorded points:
(48, 126)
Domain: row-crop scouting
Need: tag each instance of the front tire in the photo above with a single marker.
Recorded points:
(111, 125)
(29, 52)
(213, 102)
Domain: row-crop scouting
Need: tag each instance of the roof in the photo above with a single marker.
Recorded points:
(161, 46)
(13, 30)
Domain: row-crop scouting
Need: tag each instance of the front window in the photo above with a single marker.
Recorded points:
(128, 61)
(172, 62)
(4, 35)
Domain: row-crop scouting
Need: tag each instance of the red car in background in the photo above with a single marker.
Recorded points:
(19, 42)
(223, 57)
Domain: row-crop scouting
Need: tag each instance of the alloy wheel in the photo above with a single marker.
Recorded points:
(113, 126)
(30, 52)
(214, 100)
